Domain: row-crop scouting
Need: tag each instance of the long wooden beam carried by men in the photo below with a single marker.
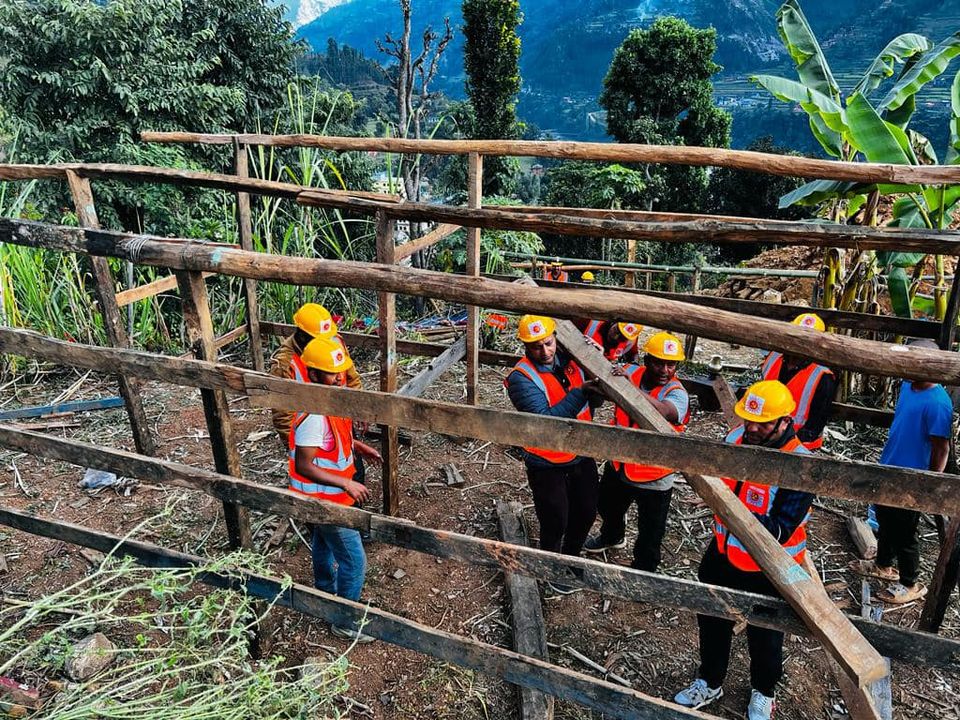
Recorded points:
(607, 698)
(833, 350)
(866, 482)
(613, 580)
(767, 163)
(703, 230)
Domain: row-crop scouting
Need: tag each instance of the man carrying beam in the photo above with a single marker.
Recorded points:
(322, 453)
(766, 409)
(812, 386)
(649, 486)
(564, 485)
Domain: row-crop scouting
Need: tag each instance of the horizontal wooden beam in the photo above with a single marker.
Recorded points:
(830, 349)
(155, 287)
(172, 176)
(720, 232)
(766, 163)
(605, 697)
(612, 580)
(422, 243)
(864, 482)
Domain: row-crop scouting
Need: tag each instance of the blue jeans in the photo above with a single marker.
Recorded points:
(339, 563)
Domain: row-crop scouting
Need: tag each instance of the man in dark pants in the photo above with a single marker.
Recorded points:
(766, 409)
(564, 485)
(920, 439)
(649, 486)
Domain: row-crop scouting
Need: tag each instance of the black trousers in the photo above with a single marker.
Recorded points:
(565, 500)
(616, 495)
(898, 540)
(716, 634)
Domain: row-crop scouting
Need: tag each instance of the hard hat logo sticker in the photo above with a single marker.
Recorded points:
(754, 404)
(337, 356)
(325, 326)
(808, 321)
(670, 347)
(536, 328)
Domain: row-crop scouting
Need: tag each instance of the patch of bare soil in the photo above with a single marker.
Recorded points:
(653, 648)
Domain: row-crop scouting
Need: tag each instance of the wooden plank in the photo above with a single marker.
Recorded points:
(226, 456)
(474, 198)
(727, 400)
(431, 238)
(105, 289)
(748, 232)
(945, 578)
(835, 350)
(863, 538)
(387, 309)
(155, 287)
(841, 640)
(437, 367)
(768, 163)
(245, 227)
(64, 407)
(865, 482)
(526, 612)
(613, 580)
(610, 699)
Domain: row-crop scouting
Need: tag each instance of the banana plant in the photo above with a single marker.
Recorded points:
(850, 127)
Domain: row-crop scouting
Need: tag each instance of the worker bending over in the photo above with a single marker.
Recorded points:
(766, 409)
(618, 340)
(812, 386)
(649, 486)
(322, 465)
(564, 485)
(587, 278)
(555, 272)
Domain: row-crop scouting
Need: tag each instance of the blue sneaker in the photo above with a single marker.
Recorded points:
(872, 517)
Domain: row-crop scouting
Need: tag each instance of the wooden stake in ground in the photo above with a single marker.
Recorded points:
(944, 579)
(526, 613)
(105, 288)
(474, 199)
(854, 654)
(388, 367)
(245, 225)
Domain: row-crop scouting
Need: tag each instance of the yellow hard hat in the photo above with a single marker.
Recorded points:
(631, 331)
(810, 320)
(587, 276)
(765, 401)
(315, 320)
(666, 347)
(535, 327)
(327, 354)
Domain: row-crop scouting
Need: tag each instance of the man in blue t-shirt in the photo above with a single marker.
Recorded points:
(919, 439)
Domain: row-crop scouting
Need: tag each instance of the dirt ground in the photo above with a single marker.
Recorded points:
(653, 648)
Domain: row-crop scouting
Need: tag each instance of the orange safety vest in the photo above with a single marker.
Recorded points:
(758, 499)
(647, 473)
(596, 330)
(550, 386)
(298, 371)
(338, 460)
(562, 277)
(802, 387)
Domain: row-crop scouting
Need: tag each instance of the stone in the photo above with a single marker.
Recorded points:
(399, 574)
(90, 656)
(771, 296)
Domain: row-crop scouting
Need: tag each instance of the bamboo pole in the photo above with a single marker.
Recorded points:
(767, 163)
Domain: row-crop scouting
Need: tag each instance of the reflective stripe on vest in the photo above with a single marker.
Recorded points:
(550, 386)
(298, 371)
(802, 386)
(338, 460)
(647, 473)
(596, 331)
(759, 499)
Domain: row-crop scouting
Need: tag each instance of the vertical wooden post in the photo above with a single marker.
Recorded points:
(945, 578)
(226, 458)
(690, 342)
(474, 199)
(671, 282)
(630, 277)
(105, 287)
(245, 225)
(386, 255)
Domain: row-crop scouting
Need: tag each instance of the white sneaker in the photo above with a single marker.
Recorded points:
(698, 695)
(761, 707)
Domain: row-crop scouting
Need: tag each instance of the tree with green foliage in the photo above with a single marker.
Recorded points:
(658, 91)
(84, 78)
(492, 63)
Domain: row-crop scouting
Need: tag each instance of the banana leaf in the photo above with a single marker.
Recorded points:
(815, 192)
(878, 140)
(922, 148)
(927, 68)
(826, 115)
(803, 47)
(898, 50)
(898, 286)
(953, 150)
(902, 260)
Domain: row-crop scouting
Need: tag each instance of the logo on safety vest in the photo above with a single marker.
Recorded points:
(754, 404)
(754, 498)
(671, 347)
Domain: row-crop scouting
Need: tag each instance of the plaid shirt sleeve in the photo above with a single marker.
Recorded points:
(790, 507)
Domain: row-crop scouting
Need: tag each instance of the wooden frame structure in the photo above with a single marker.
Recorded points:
(847, 639)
